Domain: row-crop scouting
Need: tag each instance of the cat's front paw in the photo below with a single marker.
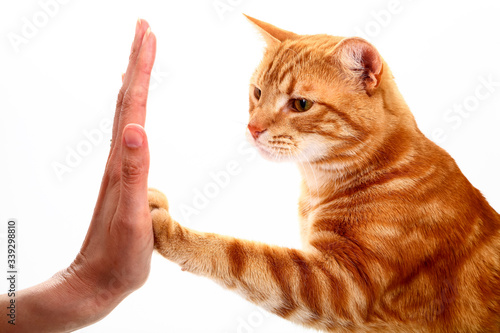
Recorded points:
(157, 199)
(162, 222)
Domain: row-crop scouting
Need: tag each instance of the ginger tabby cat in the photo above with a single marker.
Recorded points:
(395, 238)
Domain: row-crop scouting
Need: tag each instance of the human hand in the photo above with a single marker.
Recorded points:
(115, 257)
(116, 254)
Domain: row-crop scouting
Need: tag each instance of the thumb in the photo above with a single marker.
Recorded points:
(135, 168)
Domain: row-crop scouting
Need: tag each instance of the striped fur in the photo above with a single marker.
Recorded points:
(395, 238)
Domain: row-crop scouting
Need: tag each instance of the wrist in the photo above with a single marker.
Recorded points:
(63, 303)
(83, 294)
(81, 305)
(101, 289)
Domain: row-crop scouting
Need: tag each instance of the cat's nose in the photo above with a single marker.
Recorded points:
(255, 130)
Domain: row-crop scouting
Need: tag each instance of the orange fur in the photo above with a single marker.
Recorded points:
(395, 238)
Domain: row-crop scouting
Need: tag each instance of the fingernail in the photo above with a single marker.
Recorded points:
(137, 28)
(138, 25)
(133, 139)
(146, 35)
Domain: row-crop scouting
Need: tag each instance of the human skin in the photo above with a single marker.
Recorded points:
(115, 257)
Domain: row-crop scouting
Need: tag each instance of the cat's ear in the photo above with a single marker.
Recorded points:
(361, 62)
(272, 35)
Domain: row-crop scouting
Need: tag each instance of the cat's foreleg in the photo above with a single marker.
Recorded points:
(301, 286)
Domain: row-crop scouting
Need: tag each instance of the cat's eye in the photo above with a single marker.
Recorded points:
(257, 93)
(302, 104)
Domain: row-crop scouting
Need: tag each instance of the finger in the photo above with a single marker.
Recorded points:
(140, 30)
(133, 108)
(134, 175)
(112, 172)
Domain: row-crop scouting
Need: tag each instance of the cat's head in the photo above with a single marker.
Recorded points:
(315, 98)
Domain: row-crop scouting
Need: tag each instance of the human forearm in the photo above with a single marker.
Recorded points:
(63, 303)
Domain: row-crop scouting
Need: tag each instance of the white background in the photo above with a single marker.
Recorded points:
(63, 81)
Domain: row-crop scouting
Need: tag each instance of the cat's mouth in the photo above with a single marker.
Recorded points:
(275, 153)
(277, 148)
